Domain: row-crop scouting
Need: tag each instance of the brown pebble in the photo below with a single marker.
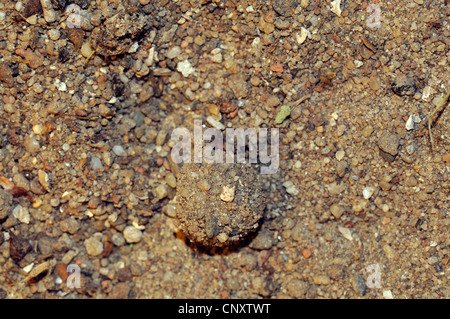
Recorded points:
(6, 75)
(61, 271)
(18, 247)
(120, 291)
(31, 8)
(33, 59)
(75, 36)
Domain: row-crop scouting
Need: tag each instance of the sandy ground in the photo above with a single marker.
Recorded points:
(91, 92)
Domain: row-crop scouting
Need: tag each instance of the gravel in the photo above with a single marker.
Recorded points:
(86, 176)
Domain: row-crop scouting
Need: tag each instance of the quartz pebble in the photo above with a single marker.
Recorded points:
(185, 68)
(118, 150)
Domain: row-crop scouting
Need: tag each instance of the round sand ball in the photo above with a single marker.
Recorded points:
(219, 204)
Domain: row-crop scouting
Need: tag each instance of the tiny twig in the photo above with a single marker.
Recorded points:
(430, 117)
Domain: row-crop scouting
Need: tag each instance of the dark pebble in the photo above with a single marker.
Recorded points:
(18, 247)
(404, 85)
(284, 7)
(359, 284)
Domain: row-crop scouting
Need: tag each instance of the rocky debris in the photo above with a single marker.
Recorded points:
(132, 235)
(359, 284)
(120, 291)
(263, 240)
(119, 32)
(31, 8)
(211, 218)
(389, 144)
(297, 288)
(404, 85)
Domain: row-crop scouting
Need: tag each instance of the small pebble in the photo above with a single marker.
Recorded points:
(185, 68)
(345, 232)
(203, 185)
(94, 247)
(44, 179)
(359, 284)
(337, 210)
(340, 155)
(387, 294)
(374, 83)
(227, 194)
(171, 180)
(31, 145)
(291, 188)
(214, 123)
(118, 150)
(368, 192)
(389, 143)
(96, 163)
(173, 52)
(22, 214)
(132, 235)
(161, 191)
(53, 34)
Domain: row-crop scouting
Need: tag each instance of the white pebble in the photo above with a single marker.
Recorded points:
(290, 188)
(336, 7)
(300, 38)
(185, 68)
(387, 294)
(410, 123)
(66, 147)
(173, 52)
(368, 192)
(214, 123)
(345, 232)
(118, 150)
(133, 48)
(19, 5)
(62, 87)
(22, 214)
(96, 163)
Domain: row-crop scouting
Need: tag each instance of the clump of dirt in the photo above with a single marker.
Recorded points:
(219, 204)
